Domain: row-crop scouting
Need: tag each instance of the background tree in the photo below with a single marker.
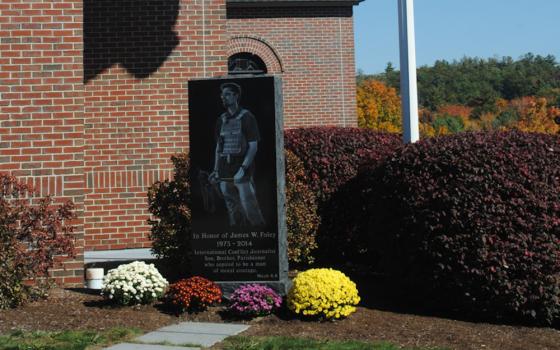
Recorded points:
(479, 83)
(535, 115)
(471, 94)
(379, 106)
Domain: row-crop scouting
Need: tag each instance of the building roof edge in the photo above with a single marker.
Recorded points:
(290, 3)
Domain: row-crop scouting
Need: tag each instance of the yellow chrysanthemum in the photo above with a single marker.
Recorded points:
(325, 292)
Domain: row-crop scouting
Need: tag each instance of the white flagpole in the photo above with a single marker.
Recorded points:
(409, 92)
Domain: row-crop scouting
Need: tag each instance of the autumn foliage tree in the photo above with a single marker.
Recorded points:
(379, 106)
(34, 235)
(535, 115)
(529, 113)
(468, 95)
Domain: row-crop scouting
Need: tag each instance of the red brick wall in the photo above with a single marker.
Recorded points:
(314, 46)
(99, 127)
(139, 55)
(41, 104)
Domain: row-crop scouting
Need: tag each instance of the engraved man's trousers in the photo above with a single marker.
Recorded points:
(241, 203)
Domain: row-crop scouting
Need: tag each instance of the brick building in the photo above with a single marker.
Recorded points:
(94, 101)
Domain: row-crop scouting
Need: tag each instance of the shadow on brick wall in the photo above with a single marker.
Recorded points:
(138, 34)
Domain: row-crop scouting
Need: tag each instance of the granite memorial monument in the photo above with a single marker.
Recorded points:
(237, 179)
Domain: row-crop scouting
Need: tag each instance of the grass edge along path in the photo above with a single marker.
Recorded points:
(66, 340)
(282, 343)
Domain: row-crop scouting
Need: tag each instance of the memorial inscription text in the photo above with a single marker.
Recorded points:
(227, 256)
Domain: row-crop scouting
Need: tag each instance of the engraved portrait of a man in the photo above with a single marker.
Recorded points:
(237, 138)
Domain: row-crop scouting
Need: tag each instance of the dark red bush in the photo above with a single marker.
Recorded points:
(333, 157)
(472, 222)
(169, 201)
(32, 232)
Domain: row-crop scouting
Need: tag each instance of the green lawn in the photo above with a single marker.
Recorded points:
(281, 343)
(66, 340)
(80, 340)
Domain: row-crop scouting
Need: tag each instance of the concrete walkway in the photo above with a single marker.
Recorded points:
(183, 336)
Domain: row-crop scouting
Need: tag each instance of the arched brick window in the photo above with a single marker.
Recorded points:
(246, 63)
(244, 47)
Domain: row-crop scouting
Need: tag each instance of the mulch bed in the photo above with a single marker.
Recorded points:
(77, 309)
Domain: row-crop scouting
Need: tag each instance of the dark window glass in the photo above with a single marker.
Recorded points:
(246, 63)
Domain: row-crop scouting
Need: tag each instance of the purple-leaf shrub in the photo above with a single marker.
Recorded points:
(333, 155)
(471, 222)
(169, 202)
(333, 158)
(252, 300)
(35, 235)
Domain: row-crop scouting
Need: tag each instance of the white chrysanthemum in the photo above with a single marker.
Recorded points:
(134, 283)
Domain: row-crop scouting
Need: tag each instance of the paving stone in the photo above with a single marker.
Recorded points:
(205, 327)
(132, 346)
(203, 334)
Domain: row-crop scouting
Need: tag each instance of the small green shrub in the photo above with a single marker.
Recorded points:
(32, 232)
(323, 293)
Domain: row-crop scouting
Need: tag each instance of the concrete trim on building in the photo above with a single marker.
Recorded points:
(290, 3)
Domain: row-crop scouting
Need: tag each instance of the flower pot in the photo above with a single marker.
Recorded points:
(94, 278)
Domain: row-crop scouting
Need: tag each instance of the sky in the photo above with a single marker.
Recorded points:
(452, 29)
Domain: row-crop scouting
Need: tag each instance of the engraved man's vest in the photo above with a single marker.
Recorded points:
(231, 135)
